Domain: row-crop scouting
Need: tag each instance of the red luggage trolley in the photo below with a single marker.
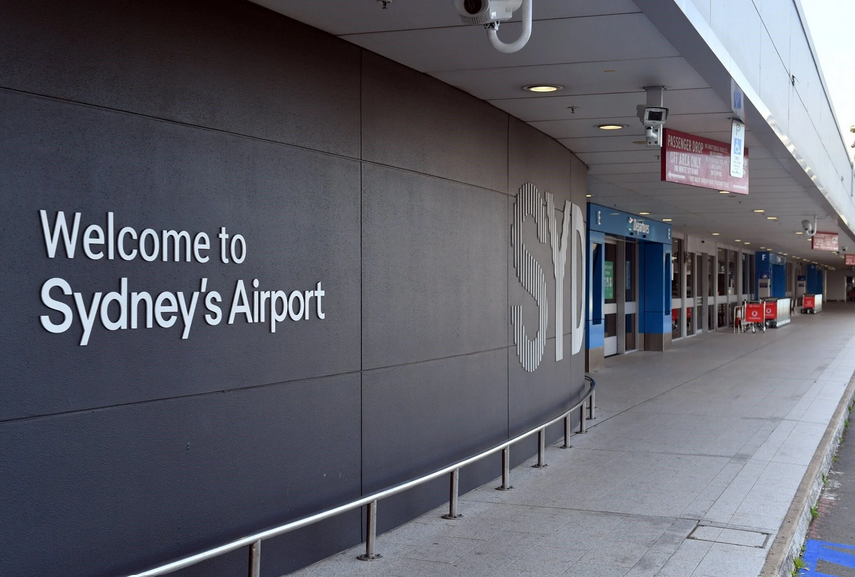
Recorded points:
(755, 316)
(771, 311)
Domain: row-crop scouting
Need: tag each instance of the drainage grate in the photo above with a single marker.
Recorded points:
(742, 537)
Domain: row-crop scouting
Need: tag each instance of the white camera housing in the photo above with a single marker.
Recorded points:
(486, 11)
(653, 118)
(809, 228)
(653, 136)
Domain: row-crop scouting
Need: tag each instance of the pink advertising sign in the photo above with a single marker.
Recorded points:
(826, 241)
(696, 161)
(850, 260)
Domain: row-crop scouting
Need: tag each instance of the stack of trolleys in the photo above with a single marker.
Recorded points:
(755, 316)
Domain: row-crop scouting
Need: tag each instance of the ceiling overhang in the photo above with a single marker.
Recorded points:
(604, 52)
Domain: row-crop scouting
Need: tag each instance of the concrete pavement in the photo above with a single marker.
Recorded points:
(693, 468)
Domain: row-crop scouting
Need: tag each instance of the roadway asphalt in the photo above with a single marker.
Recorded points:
(830, 548)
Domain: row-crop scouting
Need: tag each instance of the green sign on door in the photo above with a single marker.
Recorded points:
(609, 280)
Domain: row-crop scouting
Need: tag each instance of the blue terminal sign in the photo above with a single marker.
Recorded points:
(772, 258)
(619, 223)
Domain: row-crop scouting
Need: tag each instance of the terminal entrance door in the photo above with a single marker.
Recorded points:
(691, 293)
(620, 292)
(711, 293)
(610, 307)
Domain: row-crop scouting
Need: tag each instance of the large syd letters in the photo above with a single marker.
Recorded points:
(530, 202)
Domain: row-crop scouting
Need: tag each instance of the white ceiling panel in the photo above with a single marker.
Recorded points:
(640, 155)
(532, 107)
(635, 168)
(578, 79)
(364, 16)
(602, 144)
(603, 52)
(594, 39)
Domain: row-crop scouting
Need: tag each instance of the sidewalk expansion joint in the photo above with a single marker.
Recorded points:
(717, 533)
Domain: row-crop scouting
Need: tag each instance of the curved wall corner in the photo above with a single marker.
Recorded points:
(335, 318)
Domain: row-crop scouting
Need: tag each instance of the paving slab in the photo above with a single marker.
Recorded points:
(691, 469)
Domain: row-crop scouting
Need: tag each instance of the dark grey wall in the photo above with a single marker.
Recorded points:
(392, 189)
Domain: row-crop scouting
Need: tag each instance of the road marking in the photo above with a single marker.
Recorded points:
(816, 551)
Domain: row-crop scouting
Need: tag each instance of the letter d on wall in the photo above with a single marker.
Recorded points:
(578, 251)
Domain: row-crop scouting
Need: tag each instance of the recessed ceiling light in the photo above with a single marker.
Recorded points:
(542, 88)
(799, 232)
(588, 195)
(716, 233)
(759, 210)
(783, 253)
(771, 218)
(723, 192)
(639, 142)
(737, 240)
(666, 220)
(746, 242)
(762, 248)
(611, 126)
(643, 213)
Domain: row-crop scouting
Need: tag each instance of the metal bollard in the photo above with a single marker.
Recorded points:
(506, 470)
(591, 414)
(541, 449)
(567, 433)
(255, 559)
(372, 534)
(453, 496)
(582, 419)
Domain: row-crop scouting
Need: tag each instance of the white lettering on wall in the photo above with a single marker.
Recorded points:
(578, 250)
(559, 258)
(126, 309)
(530, 275)
(530, 202)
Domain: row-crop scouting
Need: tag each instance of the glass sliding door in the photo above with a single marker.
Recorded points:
(610, 298)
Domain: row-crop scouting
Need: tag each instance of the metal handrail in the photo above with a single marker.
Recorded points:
(254, 541)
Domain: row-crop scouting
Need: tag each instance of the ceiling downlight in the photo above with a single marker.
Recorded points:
(542, 88)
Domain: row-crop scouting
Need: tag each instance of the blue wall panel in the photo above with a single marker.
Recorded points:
(814, 280)
(657, 288)
(594, 325)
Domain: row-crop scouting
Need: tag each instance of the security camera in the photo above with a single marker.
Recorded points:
(486, 11)
(653, 118)
(810, 229)
(652, 136)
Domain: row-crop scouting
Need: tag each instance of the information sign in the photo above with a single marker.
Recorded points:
(737, 100)
(826, 241)
(701, 162)
(609, 280)
(737, 145)
(850, 260)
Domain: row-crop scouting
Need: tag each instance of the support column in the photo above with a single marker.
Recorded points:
(657, 296)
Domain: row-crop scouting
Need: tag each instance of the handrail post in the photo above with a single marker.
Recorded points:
(371, 537)
(453, 496)
(255, 559)
(582, 428)
(591, 413)
(541, 449)
(567, 432)
(506, 470)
